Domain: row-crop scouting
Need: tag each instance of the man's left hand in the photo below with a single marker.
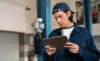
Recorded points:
(72, 47)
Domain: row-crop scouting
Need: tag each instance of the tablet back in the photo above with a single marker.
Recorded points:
(57, 41)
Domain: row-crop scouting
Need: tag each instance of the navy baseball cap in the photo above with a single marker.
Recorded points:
(60, 7)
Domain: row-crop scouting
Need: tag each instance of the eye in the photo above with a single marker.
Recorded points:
(55, 18)
(60, 16)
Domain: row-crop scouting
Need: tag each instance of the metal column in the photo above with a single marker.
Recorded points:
(43, 11)
(88, 15)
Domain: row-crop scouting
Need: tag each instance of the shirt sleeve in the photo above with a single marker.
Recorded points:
(47, 57)
(90, 54)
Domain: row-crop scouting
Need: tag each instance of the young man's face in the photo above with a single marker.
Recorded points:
(62, 18)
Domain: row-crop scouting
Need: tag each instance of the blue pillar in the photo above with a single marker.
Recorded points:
(43, 11)
(88, 15)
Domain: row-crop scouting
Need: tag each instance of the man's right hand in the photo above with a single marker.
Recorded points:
(50, 50)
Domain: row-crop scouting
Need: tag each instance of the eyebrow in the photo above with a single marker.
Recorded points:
(58, 15)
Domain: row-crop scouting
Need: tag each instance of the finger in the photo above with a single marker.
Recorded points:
(73, 52)
(71, 47)
(47, 46)
(70, 44)
(51, 49)
(51, 52)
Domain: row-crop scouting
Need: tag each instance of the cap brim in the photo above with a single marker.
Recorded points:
(62, 10)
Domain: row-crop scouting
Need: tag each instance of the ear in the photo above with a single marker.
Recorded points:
(69, 13)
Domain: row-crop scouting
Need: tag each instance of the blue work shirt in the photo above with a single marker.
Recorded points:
(81, 37)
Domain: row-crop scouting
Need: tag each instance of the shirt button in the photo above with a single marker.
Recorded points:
(83, 45)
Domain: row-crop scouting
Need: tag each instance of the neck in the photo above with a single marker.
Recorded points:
(70, 24)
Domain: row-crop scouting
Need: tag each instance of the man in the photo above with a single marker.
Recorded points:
(81, 45)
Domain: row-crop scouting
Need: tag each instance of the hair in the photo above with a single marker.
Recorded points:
(71, 17)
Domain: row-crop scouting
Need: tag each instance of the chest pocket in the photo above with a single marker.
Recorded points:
(82, 43)
(79, 39)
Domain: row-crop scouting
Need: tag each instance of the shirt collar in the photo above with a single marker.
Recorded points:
(76, 27)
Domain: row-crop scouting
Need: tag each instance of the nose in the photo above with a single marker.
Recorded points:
(58, 19)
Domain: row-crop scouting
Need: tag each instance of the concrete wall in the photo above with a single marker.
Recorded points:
(97, 41)
(14, 16)
(16, 46)
(9, 46)
(24, 47)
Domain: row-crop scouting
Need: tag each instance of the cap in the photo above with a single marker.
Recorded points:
(60, 7)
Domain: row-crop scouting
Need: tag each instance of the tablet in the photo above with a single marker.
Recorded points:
(56, 42)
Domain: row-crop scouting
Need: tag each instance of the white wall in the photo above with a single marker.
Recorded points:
(96, 29)
(30, 15)
(9, 46)
(14, 17)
